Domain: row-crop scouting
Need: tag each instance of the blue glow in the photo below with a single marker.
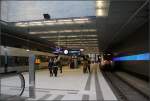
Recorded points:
(145, 56)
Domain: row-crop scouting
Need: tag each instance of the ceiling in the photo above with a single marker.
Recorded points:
(74, 33)
(124, 18)
(94, 34)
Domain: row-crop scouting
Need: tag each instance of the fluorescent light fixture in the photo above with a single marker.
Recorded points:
(21, 24)
(101, 4)
(88, 41)
(50, 21)
(44, 32)
(82, 22)
(74, 40)
(102, 8)
(100, 12)
(65, 20)
(54, 22)
(53, 32)
(78, 42)
(90, 35)
(81, 50)
(68, 22)
(44, 37)
(27, 50)
(35, 23)
(64, 31)
(61, 31)
(92, 30)
(76, 30)
(68, 31)
(81, 19)
(69, 36)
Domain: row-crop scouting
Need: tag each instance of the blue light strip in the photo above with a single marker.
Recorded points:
(145, 56)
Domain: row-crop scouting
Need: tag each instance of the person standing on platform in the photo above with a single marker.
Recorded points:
(55, 66)
(50, 66)
(88, 64)
(84, 64)
(60, 64)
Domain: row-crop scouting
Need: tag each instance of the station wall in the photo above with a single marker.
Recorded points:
(135, 43)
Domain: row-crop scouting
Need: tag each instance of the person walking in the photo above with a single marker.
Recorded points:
(50, 66)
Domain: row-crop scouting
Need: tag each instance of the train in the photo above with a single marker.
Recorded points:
(16, 59)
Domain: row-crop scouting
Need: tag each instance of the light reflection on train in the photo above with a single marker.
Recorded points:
(16, 59)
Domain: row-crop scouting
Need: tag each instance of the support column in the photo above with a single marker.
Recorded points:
(31, 76)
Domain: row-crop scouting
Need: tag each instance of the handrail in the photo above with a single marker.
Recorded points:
(22, 83)
(22, 79)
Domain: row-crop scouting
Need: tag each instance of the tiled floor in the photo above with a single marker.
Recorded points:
(71, 85)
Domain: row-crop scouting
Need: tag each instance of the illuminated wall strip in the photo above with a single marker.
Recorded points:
(145, 56)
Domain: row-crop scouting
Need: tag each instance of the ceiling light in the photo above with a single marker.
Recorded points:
(52, 31)
(81, 19)
(68, 22)
(62, 31)
(82, 22)
(81, 50)
(69, 36)
(100, 12)
(65, 20)
(76, 30)
(99, 4)
(67, 30)
(21, 24)
(50, 21)
(61, 40)
(27, 50)
(35, 23)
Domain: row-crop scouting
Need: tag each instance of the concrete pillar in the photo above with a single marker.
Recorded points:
(32, 76)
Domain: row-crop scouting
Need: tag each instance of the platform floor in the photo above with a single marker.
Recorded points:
(72, 84)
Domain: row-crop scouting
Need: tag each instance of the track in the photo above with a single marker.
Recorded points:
(123, 91)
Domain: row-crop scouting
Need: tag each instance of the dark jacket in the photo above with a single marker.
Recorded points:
(50, 64)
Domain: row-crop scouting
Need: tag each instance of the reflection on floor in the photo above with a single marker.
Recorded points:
(72, 84)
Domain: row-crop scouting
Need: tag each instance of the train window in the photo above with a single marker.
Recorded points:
(2, 61)
(22, 61)
(10, 60)
(17, 61)
(42, 58)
